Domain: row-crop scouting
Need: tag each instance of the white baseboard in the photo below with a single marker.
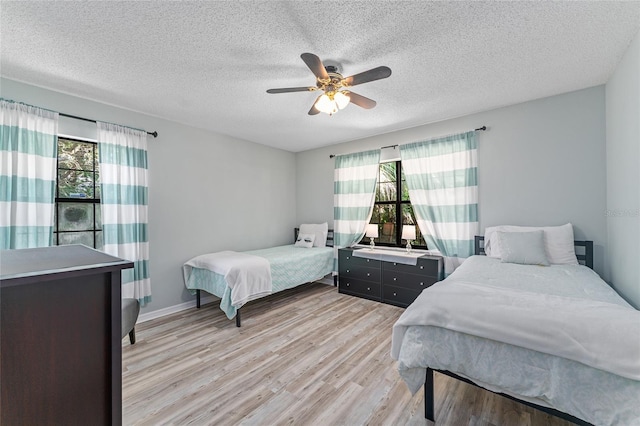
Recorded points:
(203, 301)
(175, 308)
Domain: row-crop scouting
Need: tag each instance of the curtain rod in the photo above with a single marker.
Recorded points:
(396, 145)
(154, 134)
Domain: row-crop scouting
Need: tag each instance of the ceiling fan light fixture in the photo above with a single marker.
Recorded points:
(327, 104)
(342, 99)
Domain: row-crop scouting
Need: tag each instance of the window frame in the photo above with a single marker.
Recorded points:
(71, 200)
(398, 203)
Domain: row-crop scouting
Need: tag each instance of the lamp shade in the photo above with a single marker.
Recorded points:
(372, 230)
(408, 232)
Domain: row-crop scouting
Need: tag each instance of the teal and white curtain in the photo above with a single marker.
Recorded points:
(123, 200)
(28, 151)
(442, 178)
(354, 191)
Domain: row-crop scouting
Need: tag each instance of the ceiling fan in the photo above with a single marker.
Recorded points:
(333, 85)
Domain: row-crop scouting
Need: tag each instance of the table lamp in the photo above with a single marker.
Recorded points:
(408, 233)
(372, 232)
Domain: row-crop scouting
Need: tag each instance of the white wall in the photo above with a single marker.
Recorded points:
(540, 163)
(207, 192)
(623, 175)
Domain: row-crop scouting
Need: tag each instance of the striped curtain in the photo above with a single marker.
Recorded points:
(354, 190)
(28, 152)
(123, 200)
(442, 178)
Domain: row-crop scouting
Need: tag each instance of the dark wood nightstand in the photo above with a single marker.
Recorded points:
(386, 281)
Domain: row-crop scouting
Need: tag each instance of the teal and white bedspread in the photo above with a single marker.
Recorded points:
(557, 336)
(290, 267)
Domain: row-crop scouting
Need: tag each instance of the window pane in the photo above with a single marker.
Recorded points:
(387, 192)
(85, 238)
(75, 184)
(99, 242)
(98, 216)
(387, 185)
(403, 187)
(388, 172)
(75, 217)
(387, 220)
(75, 155)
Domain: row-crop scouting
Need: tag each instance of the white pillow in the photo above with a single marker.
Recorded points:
(558, 242)
(305, 240)
(525, 248)
(320, 230)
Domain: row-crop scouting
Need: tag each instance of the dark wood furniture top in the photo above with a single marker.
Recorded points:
(60, 336)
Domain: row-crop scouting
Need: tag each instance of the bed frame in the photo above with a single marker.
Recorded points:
(586, 258)
(295, 237)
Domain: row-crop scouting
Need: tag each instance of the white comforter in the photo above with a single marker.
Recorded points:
(248, 276)
(599, 334)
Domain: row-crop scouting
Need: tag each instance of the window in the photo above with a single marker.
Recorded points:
(393, 207)
(77, 214)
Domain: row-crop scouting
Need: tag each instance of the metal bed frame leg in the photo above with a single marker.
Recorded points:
(238, 318)
(428, 396)
(198, 298)
(335, 281)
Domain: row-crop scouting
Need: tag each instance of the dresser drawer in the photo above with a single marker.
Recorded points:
(410, 281)
(346, 257)
(370, 290)
(399, 296)
(360, 273)
(430, 267)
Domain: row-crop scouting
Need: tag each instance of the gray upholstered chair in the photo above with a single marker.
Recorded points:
(130, 311)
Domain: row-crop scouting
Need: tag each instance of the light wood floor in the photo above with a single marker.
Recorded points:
(307, 356)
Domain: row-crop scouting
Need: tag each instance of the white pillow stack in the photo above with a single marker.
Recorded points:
(319, 230)
(558, 242)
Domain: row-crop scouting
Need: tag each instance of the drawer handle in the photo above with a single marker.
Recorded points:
(394, 278)
(422, 267)
(347, 270)
(347, 284)
(368, 274)
(394, 294)
(394, 263)
(367, 260)
(348, 258)
(368, 288)
(422, 284)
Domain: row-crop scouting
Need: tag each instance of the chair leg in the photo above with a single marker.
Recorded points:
(132, 335)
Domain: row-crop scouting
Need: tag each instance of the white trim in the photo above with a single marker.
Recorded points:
(328, 279)
(80, 138)
(175, 308)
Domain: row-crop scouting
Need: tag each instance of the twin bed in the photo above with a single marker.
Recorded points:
(237, 278)
(555, 337)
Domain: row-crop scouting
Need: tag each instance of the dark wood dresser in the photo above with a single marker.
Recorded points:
(60, 336)
(386, 281)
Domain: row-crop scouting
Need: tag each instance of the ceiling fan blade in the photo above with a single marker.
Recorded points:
(314, 110)
(367, 76)
(361, 101)
(315, 65)
(291, 89)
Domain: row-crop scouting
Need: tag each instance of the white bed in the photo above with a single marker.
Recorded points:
(556, 336)
(239, 277)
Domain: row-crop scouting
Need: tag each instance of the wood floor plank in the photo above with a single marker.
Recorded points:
(306, 356)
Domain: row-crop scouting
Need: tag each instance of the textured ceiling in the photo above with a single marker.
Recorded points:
(209, 64)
